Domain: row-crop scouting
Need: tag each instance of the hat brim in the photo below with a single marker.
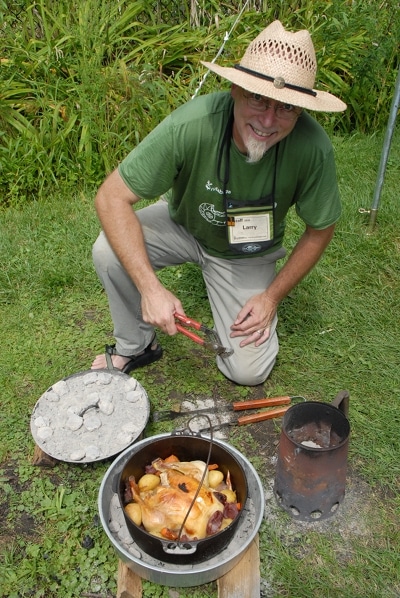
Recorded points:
(321, 102)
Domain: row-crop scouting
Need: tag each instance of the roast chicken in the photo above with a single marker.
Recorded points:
(165, 507)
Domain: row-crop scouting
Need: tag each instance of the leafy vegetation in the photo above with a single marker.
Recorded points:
(83, 82)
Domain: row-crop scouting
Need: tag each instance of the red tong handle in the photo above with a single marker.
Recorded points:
(188, 322)
(257, 403)
(193, 324)
(259, 417)
(190, 334)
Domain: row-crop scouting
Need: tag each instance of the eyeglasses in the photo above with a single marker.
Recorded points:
(282, 111)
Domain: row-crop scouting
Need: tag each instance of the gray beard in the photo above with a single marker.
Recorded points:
(255, 150)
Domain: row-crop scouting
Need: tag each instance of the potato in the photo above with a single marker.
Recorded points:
(215, 477)
(134, 512)
(225, 523)
(230, 495)
(148, 482)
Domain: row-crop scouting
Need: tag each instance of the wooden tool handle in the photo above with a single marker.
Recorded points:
(258, 403)
(259, 417)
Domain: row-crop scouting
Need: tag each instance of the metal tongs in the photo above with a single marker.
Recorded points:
(282, 404)
(211, 340)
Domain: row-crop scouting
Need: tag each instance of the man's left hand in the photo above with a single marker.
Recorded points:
(254, 320)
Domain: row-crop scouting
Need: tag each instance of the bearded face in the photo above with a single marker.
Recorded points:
(255, 131)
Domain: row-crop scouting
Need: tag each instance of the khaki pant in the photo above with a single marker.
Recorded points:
(229, 283)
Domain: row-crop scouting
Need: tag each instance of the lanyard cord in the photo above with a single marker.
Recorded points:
(225, 148)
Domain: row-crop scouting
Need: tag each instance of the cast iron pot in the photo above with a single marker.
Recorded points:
(186, 446)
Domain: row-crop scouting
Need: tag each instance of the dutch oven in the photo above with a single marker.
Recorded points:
(187, 446)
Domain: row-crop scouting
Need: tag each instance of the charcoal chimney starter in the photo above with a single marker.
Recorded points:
(311, 467)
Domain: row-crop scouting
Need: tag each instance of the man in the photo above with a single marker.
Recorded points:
(228, 167)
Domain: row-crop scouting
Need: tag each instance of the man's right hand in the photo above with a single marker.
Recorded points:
(159, 307)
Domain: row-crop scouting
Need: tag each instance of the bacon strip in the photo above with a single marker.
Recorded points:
(214, 523)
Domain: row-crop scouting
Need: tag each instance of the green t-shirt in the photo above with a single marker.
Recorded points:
(179, 158)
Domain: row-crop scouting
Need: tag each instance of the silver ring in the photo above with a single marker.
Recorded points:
(260, 332)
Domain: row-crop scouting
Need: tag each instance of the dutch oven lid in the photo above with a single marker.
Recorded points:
(90, 416)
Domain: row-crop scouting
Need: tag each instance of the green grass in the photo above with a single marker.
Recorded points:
(338, 329)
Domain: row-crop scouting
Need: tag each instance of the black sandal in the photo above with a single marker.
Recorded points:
(148, 356)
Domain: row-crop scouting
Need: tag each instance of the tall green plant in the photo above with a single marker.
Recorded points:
(66, 99)
(82, 82)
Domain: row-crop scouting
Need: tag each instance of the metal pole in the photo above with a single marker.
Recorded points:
(385, 153)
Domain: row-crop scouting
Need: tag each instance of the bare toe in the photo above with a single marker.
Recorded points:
(99, 362)
(118, 361)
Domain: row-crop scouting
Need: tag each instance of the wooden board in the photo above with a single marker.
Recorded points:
(243, 581)
(129, 583)
(42, 459)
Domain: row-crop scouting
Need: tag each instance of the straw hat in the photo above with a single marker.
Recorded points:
(281, 65)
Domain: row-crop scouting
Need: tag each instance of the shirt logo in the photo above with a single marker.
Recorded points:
(251, 248)
(213, 216)
(211, 187)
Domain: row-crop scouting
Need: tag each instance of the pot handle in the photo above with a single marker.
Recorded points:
(189, 432)
(179, 549)
(341, 402)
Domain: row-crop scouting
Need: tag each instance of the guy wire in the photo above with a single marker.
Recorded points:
(226, 38)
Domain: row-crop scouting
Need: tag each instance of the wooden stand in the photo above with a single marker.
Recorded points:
(243, 581)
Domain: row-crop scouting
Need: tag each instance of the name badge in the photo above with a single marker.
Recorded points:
(251, 228)
(250, 224)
